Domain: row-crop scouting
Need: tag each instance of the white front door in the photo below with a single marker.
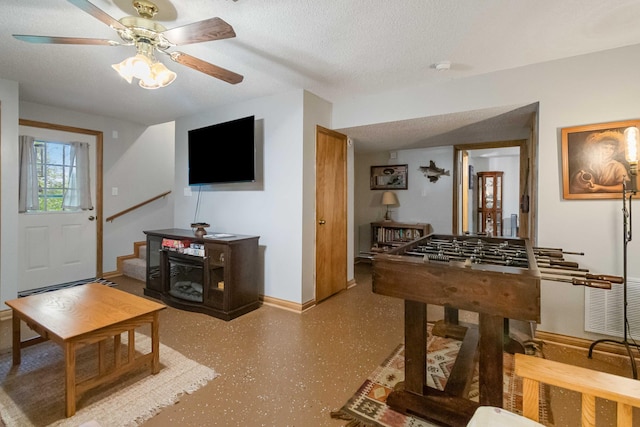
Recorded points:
(58, 247)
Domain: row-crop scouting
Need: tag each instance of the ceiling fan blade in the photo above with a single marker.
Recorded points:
(65, 40)
(201, 31)
(205, 67)
(98, 14)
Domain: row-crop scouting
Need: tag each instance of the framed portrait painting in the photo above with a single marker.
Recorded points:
(389, 177)
(593, 161)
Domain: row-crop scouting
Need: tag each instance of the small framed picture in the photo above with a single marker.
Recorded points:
(389, 177)
(593, 161)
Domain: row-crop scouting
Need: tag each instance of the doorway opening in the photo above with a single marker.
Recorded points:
(513, 158)
(64, 247)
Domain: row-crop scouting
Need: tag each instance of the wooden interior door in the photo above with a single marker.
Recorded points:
(331, 213)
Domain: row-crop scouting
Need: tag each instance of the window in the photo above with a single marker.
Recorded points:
(54, 165)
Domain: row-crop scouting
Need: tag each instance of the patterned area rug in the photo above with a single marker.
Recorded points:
(66, 285)
(367, 407)
(32, 393)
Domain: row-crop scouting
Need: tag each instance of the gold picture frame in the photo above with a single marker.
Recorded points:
(389, 177)
(593, 160)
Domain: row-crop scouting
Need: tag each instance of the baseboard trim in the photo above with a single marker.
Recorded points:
(294, 306)
(286, 305)
(111, 274)
(581, 343)
(6, 315)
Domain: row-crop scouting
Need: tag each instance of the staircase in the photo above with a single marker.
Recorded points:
(135, 266)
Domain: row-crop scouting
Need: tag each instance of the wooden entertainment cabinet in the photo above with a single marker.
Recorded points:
(223, 283)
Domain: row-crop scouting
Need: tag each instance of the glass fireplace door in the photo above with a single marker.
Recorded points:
(186, 277)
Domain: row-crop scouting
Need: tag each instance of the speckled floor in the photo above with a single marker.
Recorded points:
(280, 368)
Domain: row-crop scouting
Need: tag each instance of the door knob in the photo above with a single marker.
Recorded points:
(322, 222)
(92, 218)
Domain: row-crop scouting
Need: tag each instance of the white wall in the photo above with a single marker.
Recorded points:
(426, 201)
(594, 88)
(140, 169)
(367, 207)
(422, 202)
(8, 190)
(273, 207)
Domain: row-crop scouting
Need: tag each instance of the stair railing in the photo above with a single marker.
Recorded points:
(132, 208)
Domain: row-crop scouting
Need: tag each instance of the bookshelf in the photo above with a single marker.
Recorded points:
(389, 234)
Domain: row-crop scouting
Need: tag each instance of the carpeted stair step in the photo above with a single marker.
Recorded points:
(135, 268)
(142, 252)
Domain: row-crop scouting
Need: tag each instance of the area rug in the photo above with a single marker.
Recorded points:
(66, 285)
(32, 394)
(368, 408)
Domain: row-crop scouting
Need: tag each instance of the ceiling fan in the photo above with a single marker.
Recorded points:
(148, 37)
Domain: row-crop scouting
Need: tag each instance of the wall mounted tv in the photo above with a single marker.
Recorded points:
(222, 153)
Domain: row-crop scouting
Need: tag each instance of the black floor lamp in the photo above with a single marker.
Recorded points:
(631, 153)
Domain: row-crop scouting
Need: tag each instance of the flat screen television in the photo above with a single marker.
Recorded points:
(222, 153)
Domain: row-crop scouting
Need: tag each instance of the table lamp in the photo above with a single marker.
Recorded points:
(389, 198)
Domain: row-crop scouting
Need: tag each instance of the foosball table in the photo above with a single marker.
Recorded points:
(498, 278)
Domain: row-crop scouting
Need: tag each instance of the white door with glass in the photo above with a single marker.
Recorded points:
(57, 230)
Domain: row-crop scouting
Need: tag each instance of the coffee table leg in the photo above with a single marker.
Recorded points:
(155, 344)
(16, 338)
(70, 378)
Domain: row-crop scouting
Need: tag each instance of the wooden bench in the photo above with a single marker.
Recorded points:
(591, 384)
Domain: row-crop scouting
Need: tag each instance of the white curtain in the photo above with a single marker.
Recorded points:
(78, 195)
(28, 182)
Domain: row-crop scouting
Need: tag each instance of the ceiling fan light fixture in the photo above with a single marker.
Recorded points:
(138, 66)
(160, 76)
(149, 37)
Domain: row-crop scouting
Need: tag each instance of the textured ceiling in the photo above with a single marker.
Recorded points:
(335, 49)
(487, 125)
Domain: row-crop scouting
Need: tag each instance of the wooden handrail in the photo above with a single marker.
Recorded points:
(159, 196)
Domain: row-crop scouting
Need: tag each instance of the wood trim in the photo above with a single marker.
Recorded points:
(139, 205)
(589, 383)
(99, 135)
(485, 145)
(280, 303)
(111, 275)
(286, 305)
(533, 181)
(122, 258)
(581, 343)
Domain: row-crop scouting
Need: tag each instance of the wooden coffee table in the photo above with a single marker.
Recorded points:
(88, 314)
